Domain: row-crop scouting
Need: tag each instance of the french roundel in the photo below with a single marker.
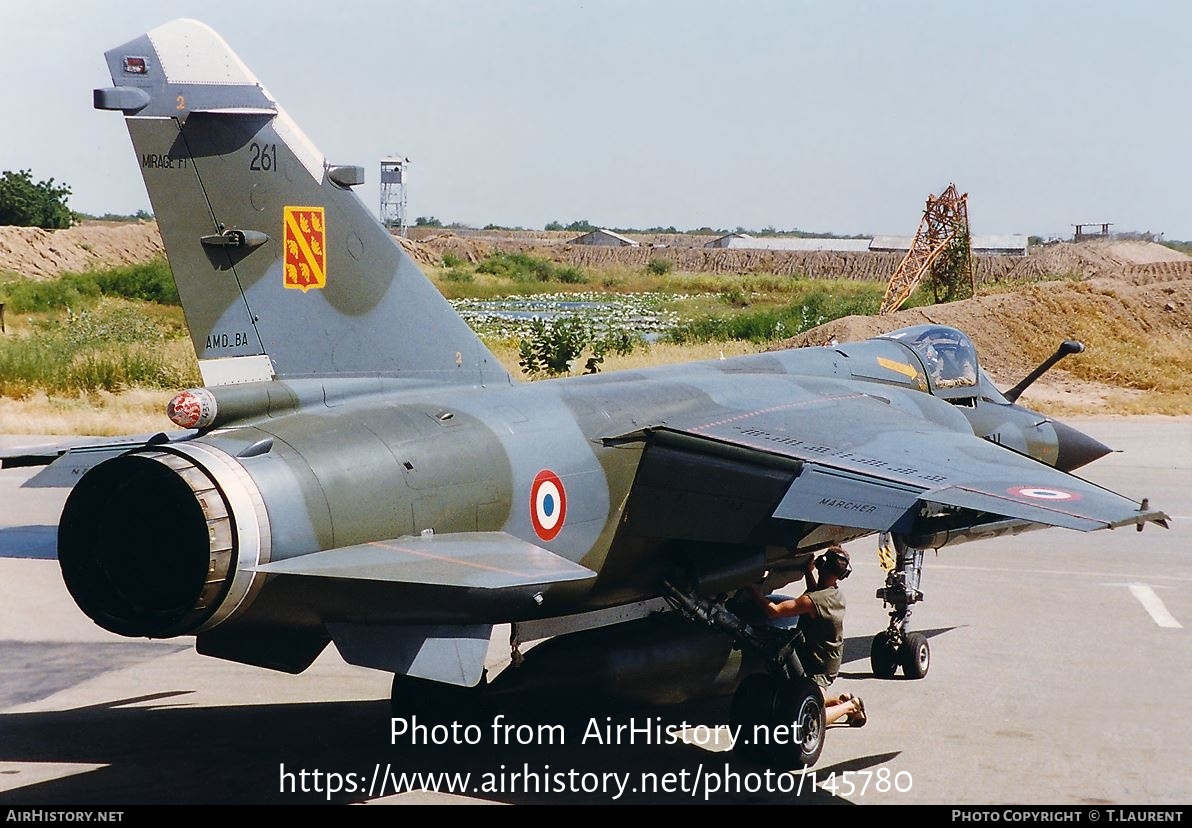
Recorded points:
(1043, 493)
(548, 504)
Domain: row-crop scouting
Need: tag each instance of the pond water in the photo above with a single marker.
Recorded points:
(510, 317)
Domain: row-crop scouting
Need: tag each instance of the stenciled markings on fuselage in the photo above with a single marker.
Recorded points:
(163, 161)
(848, 505)
(264, 157)
(226, 340)
(828, 451)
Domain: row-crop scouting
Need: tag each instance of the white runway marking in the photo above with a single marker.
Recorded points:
(1154, 605)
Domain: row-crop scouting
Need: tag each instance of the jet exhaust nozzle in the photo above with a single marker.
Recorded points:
(154, 543)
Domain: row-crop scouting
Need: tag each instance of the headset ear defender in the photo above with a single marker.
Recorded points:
(838, 560)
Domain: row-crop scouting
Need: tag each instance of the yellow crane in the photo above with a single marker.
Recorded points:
(944, 223)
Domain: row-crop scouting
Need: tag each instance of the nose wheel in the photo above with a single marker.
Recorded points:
(883, 655)
(916, 656)
(894, 648)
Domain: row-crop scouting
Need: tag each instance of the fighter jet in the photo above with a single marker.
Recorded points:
(360, 470)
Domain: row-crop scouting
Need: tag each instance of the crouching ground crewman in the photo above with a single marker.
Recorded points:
(821, 622)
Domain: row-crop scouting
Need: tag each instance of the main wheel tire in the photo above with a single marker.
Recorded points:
(916, 656)
(799, 705)
(883, 656)
(753, 704)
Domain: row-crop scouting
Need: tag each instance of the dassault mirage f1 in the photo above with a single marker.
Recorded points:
(360, 470)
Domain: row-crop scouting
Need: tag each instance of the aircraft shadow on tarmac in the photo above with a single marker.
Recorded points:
(35, 670)
(233, 754)
(39, 542)
(177, 755)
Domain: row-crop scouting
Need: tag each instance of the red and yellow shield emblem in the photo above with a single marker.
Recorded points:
(305, 244)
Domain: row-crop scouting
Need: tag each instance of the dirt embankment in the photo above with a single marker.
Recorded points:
(43, 254)
(1136, 324)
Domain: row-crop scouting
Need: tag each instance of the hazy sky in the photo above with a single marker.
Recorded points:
(838, 116)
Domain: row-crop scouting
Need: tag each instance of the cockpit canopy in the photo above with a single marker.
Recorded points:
(948, 357)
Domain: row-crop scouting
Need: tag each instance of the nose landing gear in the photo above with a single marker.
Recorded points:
(895, 646)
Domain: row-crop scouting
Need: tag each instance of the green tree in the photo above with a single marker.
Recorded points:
(427, 221)
(28, 204)
(949, 274)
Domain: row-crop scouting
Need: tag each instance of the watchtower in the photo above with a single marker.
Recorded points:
(394, 175)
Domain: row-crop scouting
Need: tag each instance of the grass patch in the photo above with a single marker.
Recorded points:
(112, 346)
(767, 324)
(150, 281)
(102, 413)
(1184, 247)
(521, 267)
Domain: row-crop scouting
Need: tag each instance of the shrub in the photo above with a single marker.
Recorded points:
(570, 275)
(452, 260)
(521, 267)
(554, 345)
(149, 282)
(734, 296)
(659, 266)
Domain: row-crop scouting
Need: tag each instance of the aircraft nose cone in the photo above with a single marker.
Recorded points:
(1076, 448)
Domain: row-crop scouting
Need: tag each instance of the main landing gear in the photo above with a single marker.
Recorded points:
(778, 714)
(896, 646)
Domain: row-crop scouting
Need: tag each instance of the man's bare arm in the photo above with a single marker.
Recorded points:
(784, 609)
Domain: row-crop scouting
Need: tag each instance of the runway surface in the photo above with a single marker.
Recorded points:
(1061, 673)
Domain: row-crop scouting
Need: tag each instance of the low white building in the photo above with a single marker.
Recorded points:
(604, 238)
(1005, 244)
(744, 241)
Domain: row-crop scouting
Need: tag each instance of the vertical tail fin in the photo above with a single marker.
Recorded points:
(281, 269)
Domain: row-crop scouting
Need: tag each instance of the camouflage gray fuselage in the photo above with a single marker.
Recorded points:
(355, 460)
